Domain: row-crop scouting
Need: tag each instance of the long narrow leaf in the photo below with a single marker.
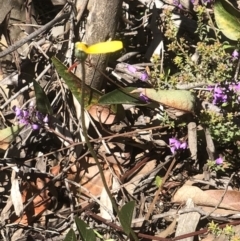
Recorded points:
(74, 84)
(125, 216)
(43, 104)
(86, 233)
(70, 236)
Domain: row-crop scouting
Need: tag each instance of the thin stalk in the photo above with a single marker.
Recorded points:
(91, 150)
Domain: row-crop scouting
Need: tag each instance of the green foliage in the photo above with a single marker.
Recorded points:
(223, 129)
(227, 19)
(206, 62)
(158, 181)
(215, 167)
(214, 229)
(125, 216)
(86, 233)
(71, 236)
(74, 84)
(43, 104)
(228, 231)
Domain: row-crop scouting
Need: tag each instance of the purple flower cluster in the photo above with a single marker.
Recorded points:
(30, 117)
(219, 95)
(176, 145)
(142, 75)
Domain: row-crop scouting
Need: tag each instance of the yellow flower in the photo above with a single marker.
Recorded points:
(82, 50)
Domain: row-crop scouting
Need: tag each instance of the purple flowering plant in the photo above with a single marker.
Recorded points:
(30, 117)
(177, 145)
(142, 75)
(219, 94)
(217, 164)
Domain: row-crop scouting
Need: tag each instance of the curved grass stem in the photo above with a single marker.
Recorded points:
(93, 153)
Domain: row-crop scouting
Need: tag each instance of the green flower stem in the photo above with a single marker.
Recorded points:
(93, 153)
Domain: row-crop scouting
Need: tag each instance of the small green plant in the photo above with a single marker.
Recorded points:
(85, 233)
(88, 234)
(228, 231)
(205, 61)
(214, 229)
(213, 166)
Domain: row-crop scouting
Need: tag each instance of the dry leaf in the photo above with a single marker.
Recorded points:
(89, 177)
(231, 197)
(16, 197)
(198, 196)
(40, 202)
(107, 209)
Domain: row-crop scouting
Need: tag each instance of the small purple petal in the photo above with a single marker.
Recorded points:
(143, 97)
(132, 69)
(219, 161)
(180, 6)
(18, 111)
(172, 140)
(175, 144)
(144, 76)
(46, 119)
(23, 121)
(35, 126)
(184, 145)
(25, 114)
(235, 54)
(210, 88)
(39, 115)
(175, 2)
(219, 95)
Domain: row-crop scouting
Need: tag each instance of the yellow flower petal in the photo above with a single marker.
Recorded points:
(104, 47)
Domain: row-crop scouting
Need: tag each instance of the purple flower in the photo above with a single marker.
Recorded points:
(175, 145)
(143, 97)
(180, 6)
(35, 126)
(144, 76)
(235, 55)
(237, 87)
(219, 161)
(219, 95)
(17, 111)
(27, 116)
(132, 69)
(175, 2)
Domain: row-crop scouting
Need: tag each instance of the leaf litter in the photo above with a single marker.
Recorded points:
(48, 176)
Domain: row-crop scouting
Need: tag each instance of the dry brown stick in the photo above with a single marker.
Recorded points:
(21, 42)
(221, 199)
(159, 189)
(125, 134)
